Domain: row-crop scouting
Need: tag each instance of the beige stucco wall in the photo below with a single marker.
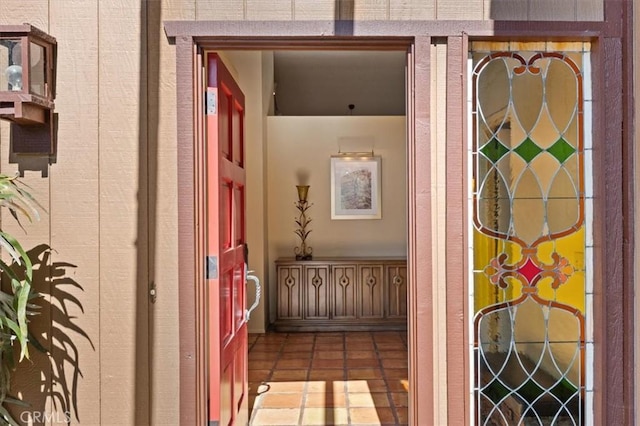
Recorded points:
(110, 193)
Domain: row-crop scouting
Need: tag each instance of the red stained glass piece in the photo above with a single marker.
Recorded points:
(529, 270)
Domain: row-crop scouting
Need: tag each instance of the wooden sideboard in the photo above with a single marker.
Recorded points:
(335, 294)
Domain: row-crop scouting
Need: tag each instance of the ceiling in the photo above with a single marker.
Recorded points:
(325, 83)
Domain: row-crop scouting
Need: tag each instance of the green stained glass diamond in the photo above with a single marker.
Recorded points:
(494, 150)
(528, 150)
(561, 150)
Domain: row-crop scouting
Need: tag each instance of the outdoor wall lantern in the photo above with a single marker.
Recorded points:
(27, 82)
(28, 88)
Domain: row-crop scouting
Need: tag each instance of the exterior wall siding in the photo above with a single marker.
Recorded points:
(74, 184)
(380, 10)
(38, 234)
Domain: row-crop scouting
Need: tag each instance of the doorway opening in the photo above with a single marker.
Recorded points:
(313, 105)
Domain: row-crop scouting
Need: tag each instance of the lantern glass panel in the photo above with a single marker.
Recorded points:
(10, 65)
(37, 75)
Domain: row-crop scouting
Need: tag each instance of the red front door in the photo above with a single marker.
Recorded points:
(225, 245)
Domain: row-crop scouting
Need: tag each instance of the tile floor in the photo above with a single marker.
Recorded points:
(345, 378)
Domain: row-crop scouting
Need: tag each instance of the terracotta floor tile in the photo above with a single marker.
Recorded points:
(335, 386)
(328, 355)
(398, 385)
(275, 416)
(363, 363)
(323, 416)
(396, 373)
(301, 347)
(303, 379)
(319, 386)
(371, 416)
(326, 374)
(259, 364)
(400, 399)
(400, 342)
(389, 346)
(294, 355)
(295, 339)
(263, 355)
(387, 354)
(327, 363)
(329, 340)
(266, 347)
(258, 375)
(295, 363)
(361, 355)
(283, 386)
(403, 415)
(368, 399)
(372, 385)
(363, 335)
(364, 373)
(360, 346)
(338, 347)
(273, 338)
(288, 375)
(325, 399)
(280, 400)
(395, 363)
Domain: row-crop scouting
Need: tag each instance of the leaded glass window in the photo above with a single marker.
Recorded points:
(530, 203)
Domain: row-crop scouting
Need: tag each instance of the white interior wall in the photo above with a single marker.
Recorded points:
(303, 146)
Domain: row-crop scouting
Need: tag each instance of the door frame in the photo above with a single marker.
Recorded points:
(614, 378)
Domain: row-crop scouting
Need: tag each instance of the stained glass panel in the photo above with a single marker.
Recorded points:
(529, 292)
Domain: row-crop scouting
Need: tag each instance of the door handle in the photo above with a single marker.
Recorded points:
(256, 281)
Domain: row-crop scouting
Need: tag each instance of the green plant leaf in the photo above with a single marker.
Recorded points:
(7, 417)
(15, 306)
(17, 401)
(23, 297)
(23, 258)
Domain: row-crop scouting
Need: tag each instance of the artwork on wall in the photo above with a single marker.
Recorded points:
(355, 187)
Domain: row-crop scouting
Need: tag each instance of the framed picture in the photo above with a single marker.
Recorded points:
(355, 188)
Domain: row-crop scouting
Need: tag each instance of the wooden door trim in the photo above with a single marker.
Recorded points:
(291, 34)
(457, 289)
(191, 218)
(191, 242)
(419, 269)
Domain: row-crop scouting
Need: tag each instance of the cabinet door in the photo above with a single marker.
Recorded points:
(316, 294)
(370, 290)
(289, 291)
(343, 288)
(396, 278)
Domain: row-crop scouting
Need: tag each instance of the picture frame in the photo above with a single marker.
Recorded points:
(356, 187)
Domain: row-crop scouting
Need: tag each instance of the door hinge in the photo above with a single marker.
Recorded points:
(210, 100)
(211, 272)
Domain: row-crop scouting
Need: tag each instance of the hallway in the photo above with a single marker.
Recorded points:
(332, 378)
